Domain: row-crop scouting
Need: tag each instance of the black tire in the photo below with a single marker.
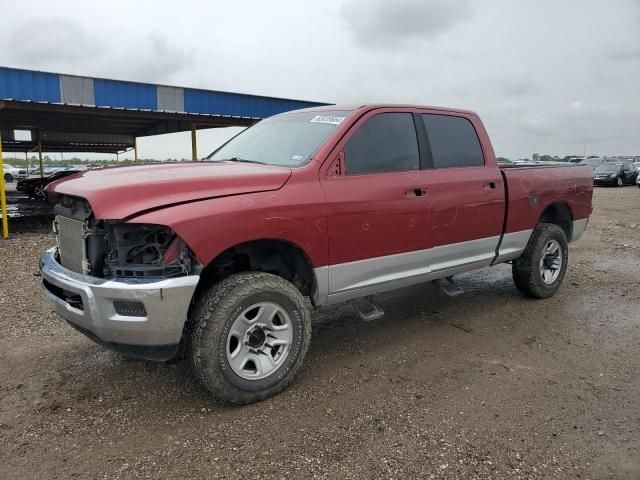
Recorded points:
(526, 268)
(213, 315)
(8, 177)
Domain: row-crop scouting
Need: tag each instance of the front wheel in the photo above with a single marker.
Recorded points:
(249, 337)
(8, 177)
(539, 271)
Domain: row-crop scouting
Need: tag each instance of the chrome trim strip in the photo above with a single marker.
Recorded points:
(579, 226)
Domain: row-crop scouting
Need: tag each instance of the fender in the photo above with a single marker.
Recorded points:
(296, 213)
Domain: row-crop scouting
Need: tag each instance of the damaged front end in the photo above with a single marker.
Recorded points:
(115, 249)
(126, 286)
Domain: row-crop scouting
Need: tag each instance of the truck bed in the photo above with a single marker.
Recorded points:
(530, 189)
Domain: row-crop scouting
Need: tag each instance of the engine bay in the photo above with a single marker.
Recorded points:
(116, 249)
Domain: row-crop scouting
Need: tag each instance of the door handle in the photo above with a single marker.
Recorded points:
(415, 193)
(490, 186)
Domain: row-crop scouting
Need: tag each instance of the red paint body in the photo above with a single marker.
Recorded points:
(334, 218)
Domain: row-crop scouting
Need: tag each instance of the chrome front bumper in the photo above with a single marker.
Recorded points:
(92, 311)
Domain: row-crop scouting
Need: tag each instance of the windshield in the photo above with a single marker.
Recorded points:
(286, 140)
(607, 167)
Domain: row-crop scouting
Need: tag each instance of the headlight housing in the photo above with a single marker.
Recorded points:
(144, 250)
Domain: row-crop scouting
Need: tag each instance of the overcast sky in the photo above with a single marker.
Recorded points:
(546, 76)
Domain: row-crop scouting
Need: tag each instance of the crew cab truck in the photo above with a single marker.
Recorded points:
(225, 258)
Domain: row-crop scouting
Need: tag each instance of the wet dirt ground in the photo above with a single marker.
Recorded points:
(487, 385)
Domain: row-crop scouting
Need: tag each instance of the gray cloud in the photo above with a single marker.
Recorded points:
(388, 24)
(66, 44)
(69, 47)
(156, 59)
(519, 85)
(624, 54)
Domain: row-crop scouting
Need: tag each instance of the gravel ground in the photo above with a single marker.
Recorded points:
(487, 385)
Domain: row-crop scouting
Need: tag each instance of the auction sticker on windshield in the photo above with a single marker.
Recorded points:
(331, 119)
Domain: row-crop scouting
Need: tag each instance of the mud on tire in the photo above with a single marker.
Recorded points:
(212, 319)
(527, 269)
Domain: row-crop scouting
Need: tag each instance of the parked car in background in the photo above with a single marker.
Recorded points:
(34, 187)
(576, 160)
(614, 174)
(12, 173)
(308, 208)
(592, 162)
(619, 160)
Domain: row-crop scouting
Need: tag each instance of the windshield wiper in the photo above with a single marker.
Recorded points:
(244, 160)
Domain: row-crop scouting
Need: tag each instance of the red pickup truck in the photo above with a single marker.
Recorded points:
(226, 258)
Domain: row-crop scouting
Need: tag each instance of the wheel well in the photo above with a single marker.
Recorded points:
(277, 257)
(559, 214)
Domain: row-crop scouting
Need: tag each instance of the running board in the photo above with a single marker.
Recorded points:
(448, 287)
(367, 310)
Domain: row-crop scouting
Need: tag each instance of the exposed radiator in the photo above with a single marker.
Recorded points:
(71, 243)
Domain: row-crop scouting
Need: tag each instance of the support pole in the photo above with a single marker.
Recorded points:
(194, 145)
(135, 150)
(3, 196)
(26, 162)
(40, 157)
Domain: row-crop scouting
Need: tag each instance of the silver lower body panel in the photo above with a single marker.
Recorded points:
(579, 226)
(346, 281)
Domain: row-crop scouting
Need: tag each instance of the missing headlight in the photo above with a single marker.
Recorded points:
(141, 250)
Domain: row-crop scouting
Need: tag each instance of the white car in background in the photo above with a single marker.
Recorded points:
(12, 173)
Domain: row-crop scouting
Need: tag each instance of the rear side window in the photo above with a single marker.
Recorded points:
(386, 142)
(453, 140)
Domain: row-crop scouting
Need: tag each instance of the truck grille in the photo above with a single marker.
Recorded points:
(71, 243)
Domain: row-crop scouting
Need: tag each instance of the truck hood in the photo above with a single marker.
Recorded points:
(120, 192)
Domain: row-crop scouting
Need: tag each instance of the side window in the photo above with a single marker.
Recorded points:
(453, 140)
(386, 142)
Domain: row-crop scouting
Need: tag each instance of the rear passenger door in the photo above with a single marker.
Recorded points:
(376, 208)
(466, 197)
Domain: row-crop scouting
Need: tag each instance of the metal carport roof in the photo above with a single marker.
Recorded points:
(69, 104)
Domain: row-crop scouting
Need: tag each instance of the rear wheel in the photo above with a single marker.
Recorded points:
(540, 270)
(39, 191)
(249, 337)
(8, 177)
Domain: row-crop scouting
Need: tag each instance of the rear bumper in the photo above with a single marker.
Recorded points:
(87, 303)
